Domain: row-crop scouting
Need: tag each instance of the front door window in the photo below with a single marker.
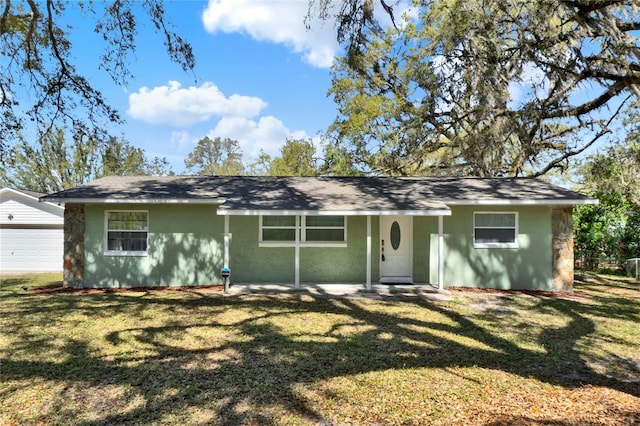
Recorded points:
(395, 235)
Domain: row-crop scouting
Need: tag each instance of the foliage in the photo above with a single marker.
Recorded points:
(600, 230)
(297, 159)
(489, 88)
(216, 157)
(158, 167)
(119, 158)
(37, 59)
(612, 228)
(198, 357)
(55, 164)
(609, 230)
(616, 170)
(338, 161)
(260, 167)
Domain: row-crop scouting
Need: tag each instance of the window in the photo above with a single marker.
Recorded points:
(126, 232)
(324, 228)
(313, 230)
(499, 230)
(278, 228)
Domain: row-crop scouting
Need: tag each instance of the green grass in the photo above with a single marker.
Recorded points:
(201, 357)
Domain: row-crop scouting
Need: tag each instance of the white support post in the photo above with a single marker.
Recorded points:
(368, 252)
(440, 253)
(297, 254)
(226, 241)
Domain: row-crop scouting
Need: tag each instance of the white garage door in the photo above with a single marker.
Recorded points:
(31, 249)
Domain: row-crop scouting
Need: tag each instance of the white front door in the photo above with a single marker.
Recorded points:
(396, 249)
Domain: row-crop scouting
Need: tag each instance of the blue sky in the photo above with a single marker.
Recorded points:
(260, 78)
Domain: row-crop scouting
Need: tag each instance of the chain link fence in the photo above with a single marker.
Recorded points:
(603, 265)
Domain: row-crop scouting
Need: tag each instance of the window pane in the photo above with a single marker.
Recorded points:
(325, 234)
(127, 241)
(395, 235)
(495, 235)
(496, 220)
(136, 221)
(278, 234)
(325, 221)
(278, 221)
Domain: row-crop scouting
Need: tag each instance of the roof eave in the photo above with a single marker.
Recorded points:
(211, 201)
(291, 212)
(547, 202)
(29, 196)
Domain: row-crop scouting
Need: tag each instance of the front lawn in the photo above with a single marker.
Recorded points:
(201, 357)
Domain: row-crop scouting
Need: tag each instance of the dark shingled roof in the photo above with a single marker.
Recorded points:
(322, 193)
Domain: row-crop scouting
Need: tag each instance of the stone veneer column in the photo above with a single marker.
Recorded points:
(73, 272)
(562, 248)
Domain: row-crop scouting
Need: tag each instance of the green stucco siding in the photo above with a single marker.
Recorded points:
(338, 264)
(250, 263)
(423, 228)
(185, 248)
(525, 267)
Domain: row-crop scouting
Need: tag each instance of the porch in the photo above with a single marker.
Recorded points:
(427, 291)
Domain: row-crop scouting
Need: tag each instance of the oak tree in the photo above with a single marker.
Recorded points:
(216, 157)
(491, 88)
(297, 158)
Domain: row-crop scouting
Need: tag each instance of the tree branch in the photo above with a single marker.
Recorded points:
(605, 130)
(4, 17)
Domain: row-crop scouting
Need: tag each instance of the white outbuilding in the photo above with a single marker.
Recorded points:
(31, 233)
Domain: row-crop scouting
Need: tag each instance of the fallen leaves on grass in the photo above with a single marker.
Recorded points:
(172, 357)
(556, 405)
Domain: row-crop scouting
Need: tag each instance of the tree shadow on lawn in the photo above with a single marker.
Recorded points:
(594, 281)
(259, 366)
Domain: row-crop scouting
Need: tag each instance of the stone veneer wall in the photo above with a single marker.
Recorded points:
(73, 271)
(562, 246)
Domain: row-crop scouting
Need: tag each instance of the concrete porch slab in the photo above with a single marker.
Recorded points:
(426, 291)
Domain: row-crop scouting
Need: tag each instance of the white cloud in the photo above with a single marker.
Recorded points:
(275, 21)
(183, 107)
(266, 134)
(180, 138)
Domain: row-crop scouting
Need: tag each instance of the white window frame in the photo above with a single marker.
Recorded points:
(108, 252)
(276, 243)
(511, 245)
(301, 229)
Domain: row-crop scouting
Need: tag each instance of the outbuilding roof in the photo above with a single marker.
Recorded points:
(32, 194)
(321, 195)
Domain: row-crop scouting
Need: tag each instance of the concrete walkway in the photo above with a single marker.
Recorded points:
(426, 291)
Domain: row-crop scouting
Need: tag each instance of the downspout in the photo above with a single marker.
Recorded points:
(297, 254)
(226, 241)
(225, 269)
(440, 253)
(368, 252)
